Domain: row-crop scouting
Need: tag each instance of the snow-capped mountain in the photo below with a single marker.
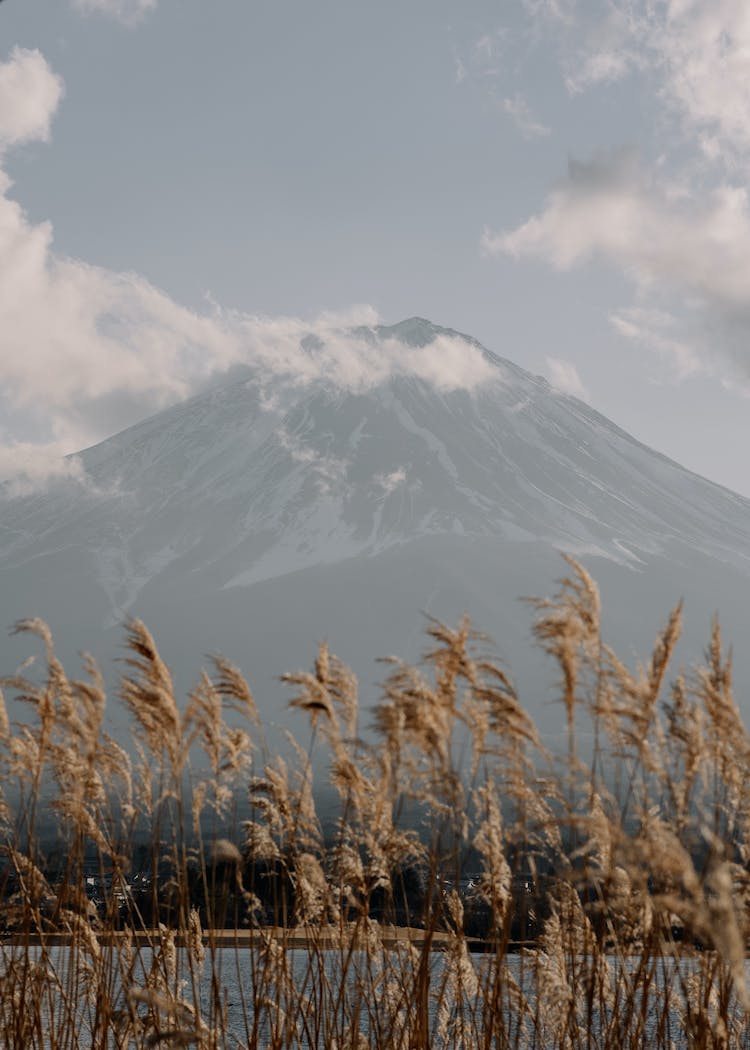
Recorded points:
(267, 513)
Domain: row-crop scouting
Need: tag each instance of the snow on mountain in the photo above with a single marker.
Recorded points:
(281, 507)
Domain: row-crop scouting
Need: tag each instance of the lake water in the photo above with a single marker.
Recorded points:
(358, 985)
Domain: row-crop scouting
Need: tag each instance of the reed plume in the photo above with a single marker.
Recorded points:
(469, 889)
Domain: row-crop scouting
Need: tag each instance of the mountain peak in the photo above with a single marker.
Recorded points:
(413, 331)
(261, 486)
(416, 332)
(398, 489)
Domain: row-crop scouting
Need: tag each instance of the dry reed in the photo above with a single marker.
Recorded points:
(513, 899)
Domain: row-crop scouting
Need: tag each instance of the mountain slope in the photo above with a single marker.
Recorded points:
(255, 503)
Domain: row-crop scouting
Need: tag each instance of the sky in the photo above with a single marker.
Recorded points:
(186, 186)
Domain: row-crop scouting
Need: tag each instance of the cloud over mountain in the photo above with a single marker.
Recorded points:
(87, 350)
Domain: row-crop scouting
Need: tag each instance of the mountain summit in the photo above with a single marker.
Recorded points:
(399, 469)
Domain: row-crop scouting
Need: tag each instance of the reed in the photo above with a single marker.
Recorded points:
(473, 890)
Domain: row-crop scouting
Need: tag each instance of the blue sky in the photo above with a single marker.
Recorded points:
(188, 185)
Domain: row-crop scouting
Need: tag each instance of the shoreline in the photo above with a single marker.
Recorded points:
(327, 938)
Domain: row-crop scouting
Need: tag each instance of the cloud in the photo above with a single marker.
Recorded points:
(128, 12)
(487, 53)
(557, 10)
(391, 481)
(329, 471)
(518, 110)
(87, 351)
(672, 242)
(78, 341)
(657, 232)
(29, 96)
(487, 63)
(349, 351)
(659, 331)
(703, 48)
(609, 47)
(696, 53)
(26, 468)
(677, 228)
(75, 334)
(563, 375)
(484, 58)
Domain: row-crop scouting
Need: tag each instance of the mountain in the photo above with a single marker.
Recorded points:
(268, 513)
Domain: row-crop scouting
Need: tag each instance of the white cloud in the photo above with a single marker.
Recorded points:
(558, 10)
(659, 331)
(696, 51)
(487, 63)
(484, 58)
(26, 467)
(563, 375)
(487, 53)
(329, 471)
(678, 229)
(340, 350)
(519, 111)
(609, 47)
(74, 334)
(391, 481)
(29, 96)
(671, 242)
(612, 209)
(598, 67)
(128, 12)
(87, 351)
(704, 49)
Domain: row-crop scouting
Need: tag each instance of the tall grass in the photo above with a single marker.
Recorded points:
(471, 891)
